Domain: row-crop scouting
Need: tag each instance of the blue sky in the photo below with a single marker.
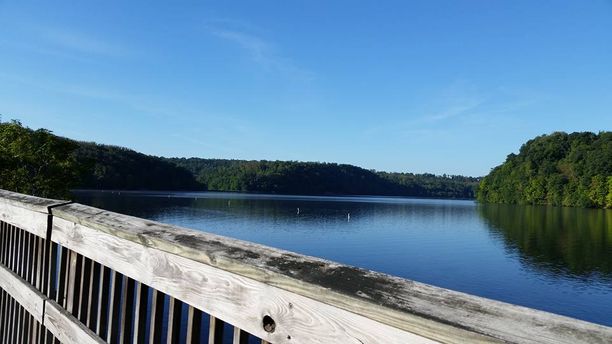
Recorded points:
(419, 86)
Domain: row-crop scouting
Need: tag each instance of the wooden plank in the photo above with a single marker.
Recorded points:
(227, 295)
(65, 327)
(431, 312)
(31, 203)
(23, 293)
(31, 221)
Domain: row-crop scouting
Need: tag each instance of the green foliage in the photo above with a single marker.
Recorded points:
(40, 163)
(310, 178)
(558, 169)
(36, 162)
(111, 167)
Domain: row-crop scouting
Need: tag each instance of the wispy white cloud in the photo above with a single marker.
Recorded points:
(458, 99)
(62, 42)
(461, 107)
(261, 51)
(74, 41)
(458, 105)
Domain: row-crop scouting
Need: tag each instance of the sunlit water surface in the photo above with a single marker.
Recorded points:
(553, 259)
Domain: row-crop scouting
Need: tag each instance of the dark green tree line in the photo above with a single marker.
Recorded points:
(314, 178)
(40, 163)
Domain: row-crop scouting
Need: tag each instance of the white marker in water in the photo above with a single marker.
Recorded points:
(348, 217)
(298, 211)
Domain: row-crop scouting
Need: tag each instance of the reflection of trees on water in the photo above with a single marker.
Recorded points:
(277, 208)
(571, 242)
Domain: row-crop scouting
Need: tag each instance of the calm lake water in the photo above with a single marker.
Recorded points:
(554, 259)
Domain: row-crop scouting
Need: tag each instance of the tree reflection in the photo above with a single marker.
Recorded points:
(571, 242)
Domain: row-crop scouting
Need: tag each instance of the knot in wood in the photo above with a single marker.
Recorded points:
(268, 324)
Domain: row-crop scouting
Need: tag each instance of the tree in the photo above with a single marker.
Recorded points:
(556, 169)
(36, 162)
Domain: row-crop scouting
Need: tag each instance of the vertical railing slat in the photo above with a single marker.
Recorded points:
(174, 320)
(93, 298)
(127, 310)
(215, 334)
(84, 290)
(194, 325)
(103, 301)
(114, 307)
(140, 312)
(240, 336)
(157, 317)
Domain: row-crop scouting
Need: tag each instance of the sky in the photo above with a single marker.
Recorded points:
(406, 86)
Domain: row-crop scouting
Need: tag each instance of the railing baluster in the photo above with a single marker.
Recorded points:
(2, 242)
(71, 283)
(93, 297)
(157, 317)
(27, 329)
(19, 251)
(215, 336)
(11, 253)
(26, 258)
(62, 278)
(33, 260)
(11, 316)
(240, 336)
(174, 320)
(2, 316)
(114, 308)
(194, 325)
(84, 289)
(127, 310)
(103, 301)
(140, 312)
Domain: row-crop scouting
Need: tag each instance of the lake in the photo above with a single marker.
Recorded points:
(549, 258)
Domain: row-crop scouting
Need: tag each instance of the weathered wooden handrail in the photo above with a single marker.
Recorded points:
(100, 276)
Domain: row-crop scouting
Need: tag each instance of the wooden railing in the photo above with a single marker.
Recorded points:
(70, 273)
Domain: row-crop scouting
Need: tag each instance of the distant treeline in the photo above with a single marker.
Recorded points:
(314, 178)
(40, 163)
(557, 169)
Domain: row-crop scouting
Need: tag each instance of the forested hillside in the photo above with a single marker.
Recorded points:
(557, 169)
(112, 167)
(313, 178)
(40, 163)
